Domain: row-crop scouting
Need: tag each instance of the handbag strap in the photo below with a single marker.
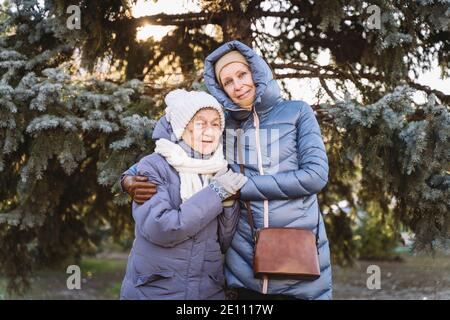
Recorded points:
(248, 206)
(247, 203)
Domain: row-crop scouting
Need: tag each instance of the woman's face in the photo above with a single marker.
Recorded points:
(204, 131)
(237, 81)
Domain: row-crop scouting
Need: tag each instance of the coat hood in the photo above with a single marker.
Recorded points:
(267, 89)
(163, 130)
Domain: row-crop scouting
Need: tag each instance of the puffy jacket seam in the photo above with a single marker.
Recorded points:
(243, 258)
(257, 189)
(316, 174)
(310, 132)
(279, 187)
(236, 277)
(314, 147)
(300, 183)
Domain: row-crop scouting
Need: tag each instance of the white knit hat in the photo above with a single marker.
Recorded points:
(182, 105)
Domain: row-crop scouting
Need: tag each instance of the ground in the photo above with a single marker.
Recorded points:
(415, 277)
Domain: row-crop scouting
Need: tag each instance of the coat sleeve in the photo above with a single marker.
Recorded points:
(131, 171)
(311, 176)
(228, 221)
(164, 224)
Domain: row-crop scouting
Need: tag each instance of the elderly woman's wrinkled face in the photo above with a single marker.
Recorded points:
(237, 82)
(204, 131)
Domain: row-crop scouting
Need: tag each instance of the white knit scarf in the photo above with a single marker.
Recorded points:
(189, 168)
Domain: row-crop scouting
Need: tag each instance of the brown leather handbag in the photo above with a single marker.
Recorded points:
(285, 252)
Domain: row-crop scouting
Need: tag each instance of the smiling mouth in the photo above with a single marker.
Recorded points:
(243, 95)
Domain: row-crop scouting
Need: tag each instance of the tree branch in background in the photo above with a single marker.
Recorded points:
(445, 98)
(325, 86)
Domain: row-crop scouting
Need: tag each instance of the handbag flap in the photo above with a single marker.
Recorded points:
(286, 252)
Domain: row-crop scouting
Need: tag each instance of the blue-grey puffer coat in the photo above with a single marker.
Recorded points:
(294, 169)
(177, 252)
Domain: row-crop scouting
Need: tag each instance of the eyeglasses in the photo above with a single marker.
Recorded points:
(203, 126)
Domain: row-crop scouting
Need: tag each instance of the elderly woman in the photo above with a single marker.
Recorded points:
(180, 237)
(285, 162)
